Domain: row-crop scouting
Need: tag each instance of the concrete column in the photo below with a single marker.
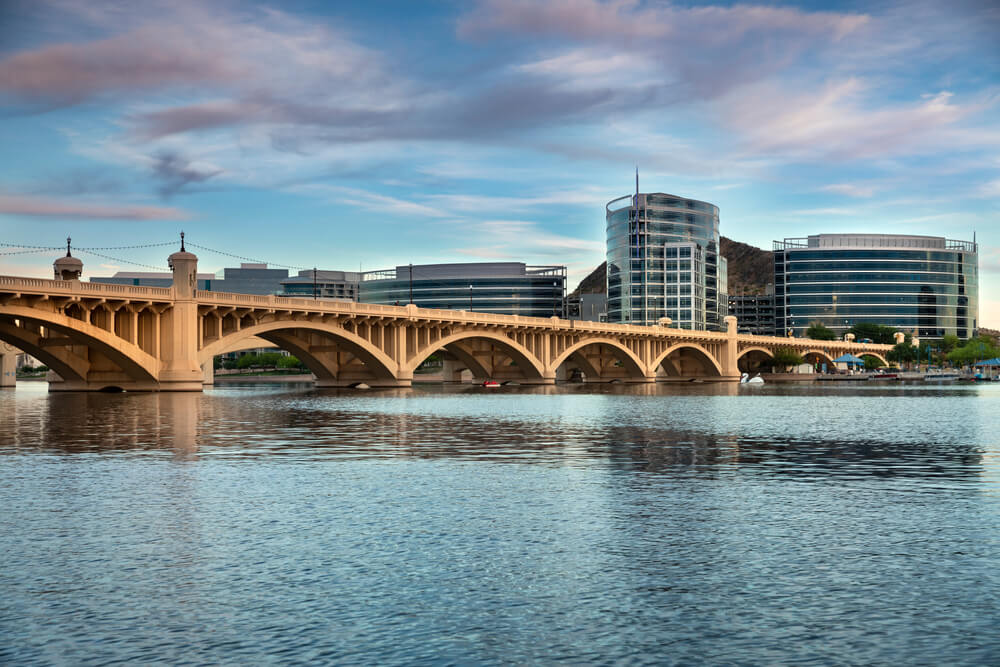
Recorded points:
(208, 372)
(8, 366)
(180, 331)
(730, 352)
(451, 371)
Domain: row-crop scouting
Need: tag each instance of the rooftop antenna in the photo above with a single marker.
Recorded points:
(68, 240)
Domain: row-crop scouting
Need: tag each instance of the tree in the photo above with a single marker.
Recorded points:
(902, 352)
(290, 362)
(949, 342)
(876, 333)
(785, 357)
(871, 362)
(247, 361)
(269, 359)
(975, 349)
(819, 331)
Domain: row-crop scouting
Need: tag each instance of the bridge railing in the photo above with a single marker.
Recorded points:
(70, 287)
(458, 316)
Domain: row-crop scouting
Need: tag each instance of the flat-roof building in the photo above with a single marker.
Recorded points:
(323, 284)
(928, 285)
(504, 288)
(249, 278)
(754, 312)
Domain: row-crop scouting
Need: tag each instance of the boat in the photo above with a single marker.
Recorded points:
(491, 383)
(756, 379)
(941, 377)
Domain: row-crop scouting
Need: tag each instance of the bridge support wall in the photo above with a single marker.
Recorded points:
(8, 366)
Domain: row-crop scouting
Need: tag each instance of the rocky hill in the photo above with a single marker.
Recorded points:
(750, 270)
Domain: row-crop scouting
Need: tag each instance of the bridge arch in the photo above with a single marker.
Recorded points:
(633, 365)
(282, 333)
(526, 361)
(68, 367)
(752, 358)
(137, 364)
(819, 354)
(700, 353)
(885, 362)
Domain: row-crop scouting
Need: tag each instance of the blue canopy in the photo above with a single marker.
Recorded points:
(995, 361)
(848, 359)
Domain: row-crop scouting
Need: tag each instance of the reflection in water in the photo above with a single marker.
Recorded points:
(610, 523)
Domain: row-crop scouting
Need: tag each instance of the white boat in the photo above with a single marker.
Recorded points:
(756, 379)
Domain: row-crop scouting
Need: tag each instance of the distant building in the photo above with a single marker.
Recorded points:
(923, 284)
(663, 261)
(505, 288)
(754, 312)
(247, 279)
(587, 307)
(341, 285)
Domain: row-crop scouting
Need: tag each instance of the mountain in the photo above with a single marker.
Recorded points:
(750, 270)
(596, 282)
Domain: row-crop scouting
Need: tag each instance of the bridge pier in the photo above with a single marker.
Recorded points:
(8, 365)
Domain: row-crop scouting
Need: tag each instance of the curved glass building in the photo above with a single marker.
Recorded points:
(923, 284)
(503, 288)
(663, 261)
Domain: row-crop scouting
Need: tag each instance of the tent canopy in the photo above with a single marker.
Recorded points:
(995, 361)
(848, 359)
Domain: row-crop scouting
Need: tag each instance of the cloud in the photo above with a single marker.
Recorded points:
(190, 48)
(851, 189)
(175, 173)
(991, 189)
(59, 208)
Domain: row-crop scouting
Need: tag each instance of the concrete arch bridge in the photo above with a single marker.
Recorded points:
(99, 336)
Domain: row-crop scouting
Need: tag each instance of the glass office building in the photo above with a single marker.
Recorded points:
(663, 261)
(926, 285)
(503, 288)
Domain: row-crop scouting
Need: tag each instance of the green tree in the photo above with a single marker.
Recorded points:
(975, 349)
(290, 362)
(871, 362)
(902, 352)
(819, 331)
(876, 333)
(269, 359)
(229, 364)
(785, 357)
(247, 361)
(949, 342)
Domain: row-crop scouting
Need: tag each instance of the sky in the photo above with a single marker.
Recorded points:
(366, 135)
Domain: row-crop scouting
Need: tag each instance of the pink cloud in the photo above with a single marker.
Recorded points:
(59, 208)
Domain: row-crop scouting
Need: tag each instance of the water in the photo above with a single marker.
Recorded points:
(635, 525)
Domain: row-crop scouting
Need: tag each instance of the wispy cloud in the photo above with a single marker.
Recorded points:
(851, 189)
(61, 208)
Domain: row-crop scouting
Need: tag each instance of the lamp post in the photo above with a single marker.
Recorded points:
(470, 298)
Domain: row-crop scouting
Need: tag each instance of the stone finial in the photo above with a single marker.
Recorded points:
(68, 267)
(849, 337)
(899, 337)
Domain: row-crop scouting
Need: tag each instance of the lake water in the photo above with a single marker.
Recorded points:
(695, 524)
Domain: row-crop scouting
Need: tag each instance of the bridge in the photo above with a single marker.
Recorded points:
(101, 336)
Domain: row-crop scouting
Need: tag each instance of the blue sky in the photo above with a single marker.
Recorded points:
(316, 133)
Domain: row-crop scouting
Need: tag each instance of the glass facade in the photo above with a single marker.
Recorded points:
(663, 261)
(925, 285)
(503, 288)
